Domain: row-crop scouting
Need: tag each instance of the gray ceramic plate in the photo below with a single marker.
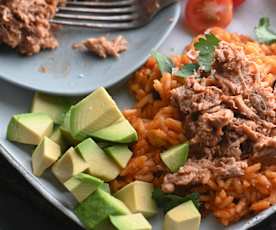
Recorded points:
(15, 100)
(70, 72)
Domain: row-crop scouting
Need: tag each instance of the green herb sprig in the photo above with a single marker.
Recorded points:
(263, 32)
(206, 47)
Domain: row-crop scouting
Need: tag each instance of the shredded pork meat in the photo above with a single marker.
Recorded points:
(196, 172)
(102, 47)
(229, 116)
(24, 25)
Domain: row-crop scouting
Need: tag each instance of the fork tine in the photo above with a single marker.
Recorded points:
(99, 10)
(100, 3)
(107, 14)
(96, 25)
(126, 17)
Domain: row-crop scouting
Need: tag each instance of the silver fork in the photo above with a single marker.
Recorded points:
(109, 14)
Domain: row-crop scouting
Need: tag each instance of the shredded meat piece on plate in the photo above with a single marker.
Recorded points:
(194, 97)
(196, 172)
(24, 25)
(103, 47)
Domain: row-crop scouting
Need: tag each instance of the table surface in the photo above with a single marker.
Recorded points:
(21, 205)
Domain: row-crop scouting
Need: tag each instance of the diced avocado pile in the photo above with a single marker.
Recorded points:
(55, 123)
(100, 210)
(87, 145)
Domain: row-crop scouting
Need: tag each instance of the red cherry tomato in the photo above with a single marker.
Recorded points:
(238, 2)
(203, 14)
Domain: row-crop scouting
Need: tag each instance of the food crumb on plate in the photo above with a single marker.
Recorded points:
(102, 47)
(43, 69)
(171, 19)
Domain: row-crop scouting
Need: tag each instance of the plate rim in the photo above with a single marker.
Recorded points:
(177, 11)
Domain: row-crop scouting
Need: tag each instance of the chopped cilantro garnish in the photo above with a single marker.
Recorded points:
(187, 70)
(263, 32)
(165, 64)
(167, 201)
(206, 47)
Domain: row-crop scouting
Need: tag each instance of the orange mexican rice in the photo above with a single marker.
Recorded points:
(161, 122)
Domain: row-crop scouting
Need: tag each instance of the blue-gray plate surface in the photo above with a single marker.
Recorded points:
(70, 72)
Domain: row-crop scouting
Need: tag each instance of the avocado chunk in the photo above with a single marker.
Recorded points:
(45, 154)
(96, 111)
(82, 185)
(66, 130)
(104, 144)
(131, 222)
(137, 196)
(70, 164)
(120, 132)
(100, 165)
(175, 157)
(97, 208)
(29, 128)
(184, 216)
(54, 106)
(58, 138)
(120, 154)
(105, 187)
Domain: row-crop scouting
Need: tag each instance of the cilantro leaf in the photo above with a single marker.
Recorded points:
(206, 47)
(263, 32)
(165, 64)
(187, 70)
(167, 201)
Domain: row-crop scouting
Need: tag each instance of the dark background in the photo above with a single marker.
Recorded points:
(21, 206)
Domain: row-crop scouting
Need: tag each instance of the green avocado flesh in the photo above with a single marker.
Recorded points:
(105, 187)
(96, 111)
(184, 216)
(82, 185)
(29, 128)
(175, 157)
(120, 154)
(58, 138)
(70, 164)
(104, 144)
(137, 196)
(119, 132)
(66, 130)
(54, 106)
(130, 222)
(98, 207)
(100, 165)
(45, 154)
